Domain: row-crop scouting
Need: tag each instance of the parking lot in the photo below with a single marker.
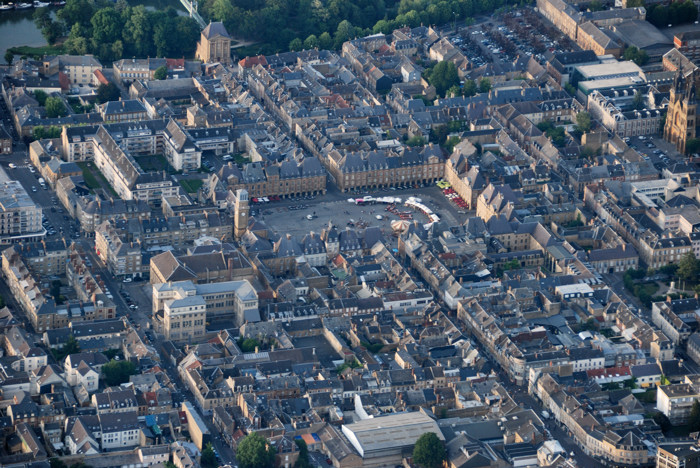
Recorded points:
(504, 38)
(655, 149)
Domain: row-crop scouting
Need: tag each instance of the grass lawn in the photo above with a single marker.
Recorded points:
(647, 397)
(649, 288)
(154, 162)
(94, 179)
(36, 52)
(90, 179)
(191, 186)
(240, 159)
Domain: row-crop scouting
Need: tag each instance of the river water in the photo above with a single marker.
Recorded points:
(18, 29)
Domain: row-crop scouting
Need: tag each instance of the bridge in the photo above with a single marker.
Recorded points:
(191, 7)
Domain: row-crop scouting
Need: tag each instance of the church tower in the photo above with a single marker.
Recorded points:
(681, 116)
(241, 211)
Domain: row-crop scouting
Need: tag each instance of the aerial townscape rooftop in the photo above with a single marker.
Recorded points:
(350, 234)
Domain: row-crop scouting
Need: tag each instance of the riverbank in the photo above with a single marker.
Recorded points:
(36, 52)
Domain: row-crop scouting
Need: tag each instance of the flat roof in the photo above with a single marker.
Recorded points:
(394, 431)
(609, 69)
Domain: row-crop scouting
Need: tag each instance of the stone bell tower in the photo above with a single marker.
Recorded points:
(241, 211)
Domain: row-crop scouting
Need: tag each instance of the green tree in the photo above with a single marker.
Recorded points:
(692, 146)
(484, 85)
(429, 451)
(311, 42)
(77, 12)
(469, 89)
(443, 76)
(108, 92)
(640, 57)
(106, 26)
(56, 463)
(688, 267)
(222, 10)
(595, 5)
(70, 347)
(167, 464)
(344, 32)
(118, 372)
(248, 345)
(208, 459)
(161, 73)
(50, 29)
(138, 32)
(325, 41)
(76, 43)
(9, 57)
(694, 418)
(662, 420)
(55, 107)
(40, 97)
(296, 44)
(638, 100)
(583, 121)
(635, 3)
(255, 452)
(416, 140)
(187, 36)
(303, 459)
(454, 91)
(40, 132)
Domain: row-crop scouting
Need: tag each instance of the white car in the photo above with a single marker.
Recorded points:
(128, 280)
(12, 166)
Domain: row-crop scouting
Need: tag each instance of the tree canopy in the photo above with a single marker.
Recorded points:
(303, 458)
(275, 24)
(429, 451)
(118, 372)
(694, 419)
(688, 267)
(112, 32)
(255, 452)
(208, 459)
(583, 121)
(108, 92)
(161, 73)
(638, 56)
(55, 107)
(443, 76)
(692, 146)
(674, 13)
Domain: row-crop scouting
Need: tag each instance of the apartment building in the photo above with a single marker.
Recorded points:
(173, 230)
(676, 401)
(122, 258)
(184, 320)
(26, 291)
(43, 258)
(20, 217)
(125, 175)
